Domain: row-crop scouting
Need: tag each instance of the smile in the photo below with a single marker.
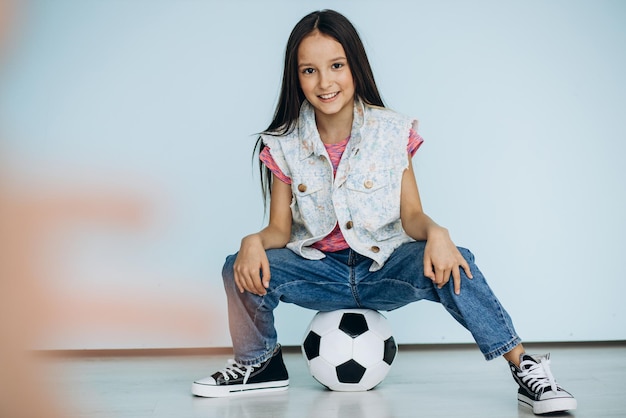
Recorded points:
(328, 96)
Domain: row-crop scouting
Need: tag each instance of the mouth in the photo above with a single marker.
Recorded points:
(328, 96)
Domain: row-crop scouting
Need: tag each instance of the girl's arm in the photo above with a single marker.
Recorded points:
(441, 257)
(251, 268)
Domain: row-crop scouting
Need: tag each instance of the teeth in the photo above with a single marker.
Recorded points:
(328, 96)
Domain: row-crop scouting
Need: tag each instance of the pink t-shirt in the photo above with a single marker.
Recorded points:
(335, 240)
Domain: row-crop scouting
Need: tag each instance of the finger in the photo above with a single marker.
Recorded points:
(265, 273)
(239, 287)
(466, 268)
(238, 281)
(249, 281)
(445, 277)
(428, 269)
(456, 278)
(256, 284)
(439, 277)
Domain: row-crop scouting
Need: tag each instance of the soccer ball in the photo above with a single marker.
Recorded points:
(349, 349)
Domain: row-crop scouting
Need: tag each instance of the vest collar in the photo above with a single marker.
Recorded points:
(311, 143)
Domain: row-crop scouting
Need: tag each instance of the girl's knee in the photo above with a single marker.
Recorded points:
(228, 274)
(467, 254)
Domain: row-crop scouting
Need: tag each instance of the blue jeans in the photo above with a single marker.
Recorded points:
(342, 280)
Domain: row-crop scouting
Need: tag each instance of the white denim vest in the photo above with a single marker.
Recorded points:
(364, 196)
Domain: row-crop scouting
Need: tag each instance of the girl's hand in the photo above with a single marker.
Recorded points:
(252, 268)
(442, 259)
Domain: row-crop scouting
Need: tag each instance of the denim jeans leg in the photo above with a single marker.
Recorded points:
(254, 338)
(314, 284)
(402, 280)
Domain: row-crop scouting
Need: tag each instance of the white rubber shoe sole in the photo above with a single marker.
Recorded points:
(208, 390)
(548, 405)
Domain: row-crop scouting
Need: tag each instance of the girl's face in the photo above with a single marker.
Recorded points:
(325, 78)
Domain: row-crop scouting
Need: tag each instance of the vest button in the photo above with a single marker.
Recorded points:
(375, 249)
(302, 188)
(368, 184)
(349, 225)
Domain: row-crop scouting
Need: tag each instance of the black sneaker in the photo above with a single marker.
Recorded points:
(537, 387)
(236, 379)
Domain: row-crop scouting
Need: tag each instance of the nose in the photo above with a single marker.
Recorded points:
(325, 80)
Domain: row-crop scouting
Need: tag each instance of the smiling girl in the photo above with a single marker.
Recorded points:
(346, 226)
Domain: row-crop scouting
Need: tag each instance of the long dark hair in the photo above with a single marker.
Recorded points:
(337, 26)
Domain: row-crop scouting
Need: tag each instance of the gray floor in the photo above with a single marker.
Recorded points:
(425, 382)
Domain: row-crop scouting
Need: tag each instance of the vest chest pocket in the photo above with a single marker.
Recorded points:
(368, 182)
(311, 197)
(306, 186)
(373, 198)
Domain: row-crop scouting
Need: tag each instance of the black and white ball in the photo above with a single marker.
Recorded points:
(349, 349)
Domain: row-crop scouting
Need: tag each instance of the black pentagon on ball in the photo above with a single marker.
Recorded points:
(350, 372)
(353, 324)
(390, 350)
(311, 345)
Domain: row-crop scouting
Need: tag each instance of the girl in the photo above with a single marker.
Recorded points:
(346, 226)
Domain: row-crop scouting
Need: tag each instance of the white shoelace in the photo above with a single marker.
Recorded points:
(538, 375)
(234, 370)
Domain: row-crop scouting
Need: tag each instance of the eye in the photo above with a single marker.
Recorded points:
(308, 70)
(337, 65)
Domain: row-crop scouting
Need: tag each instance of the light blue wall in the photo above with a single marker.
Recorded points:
(522, 105)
